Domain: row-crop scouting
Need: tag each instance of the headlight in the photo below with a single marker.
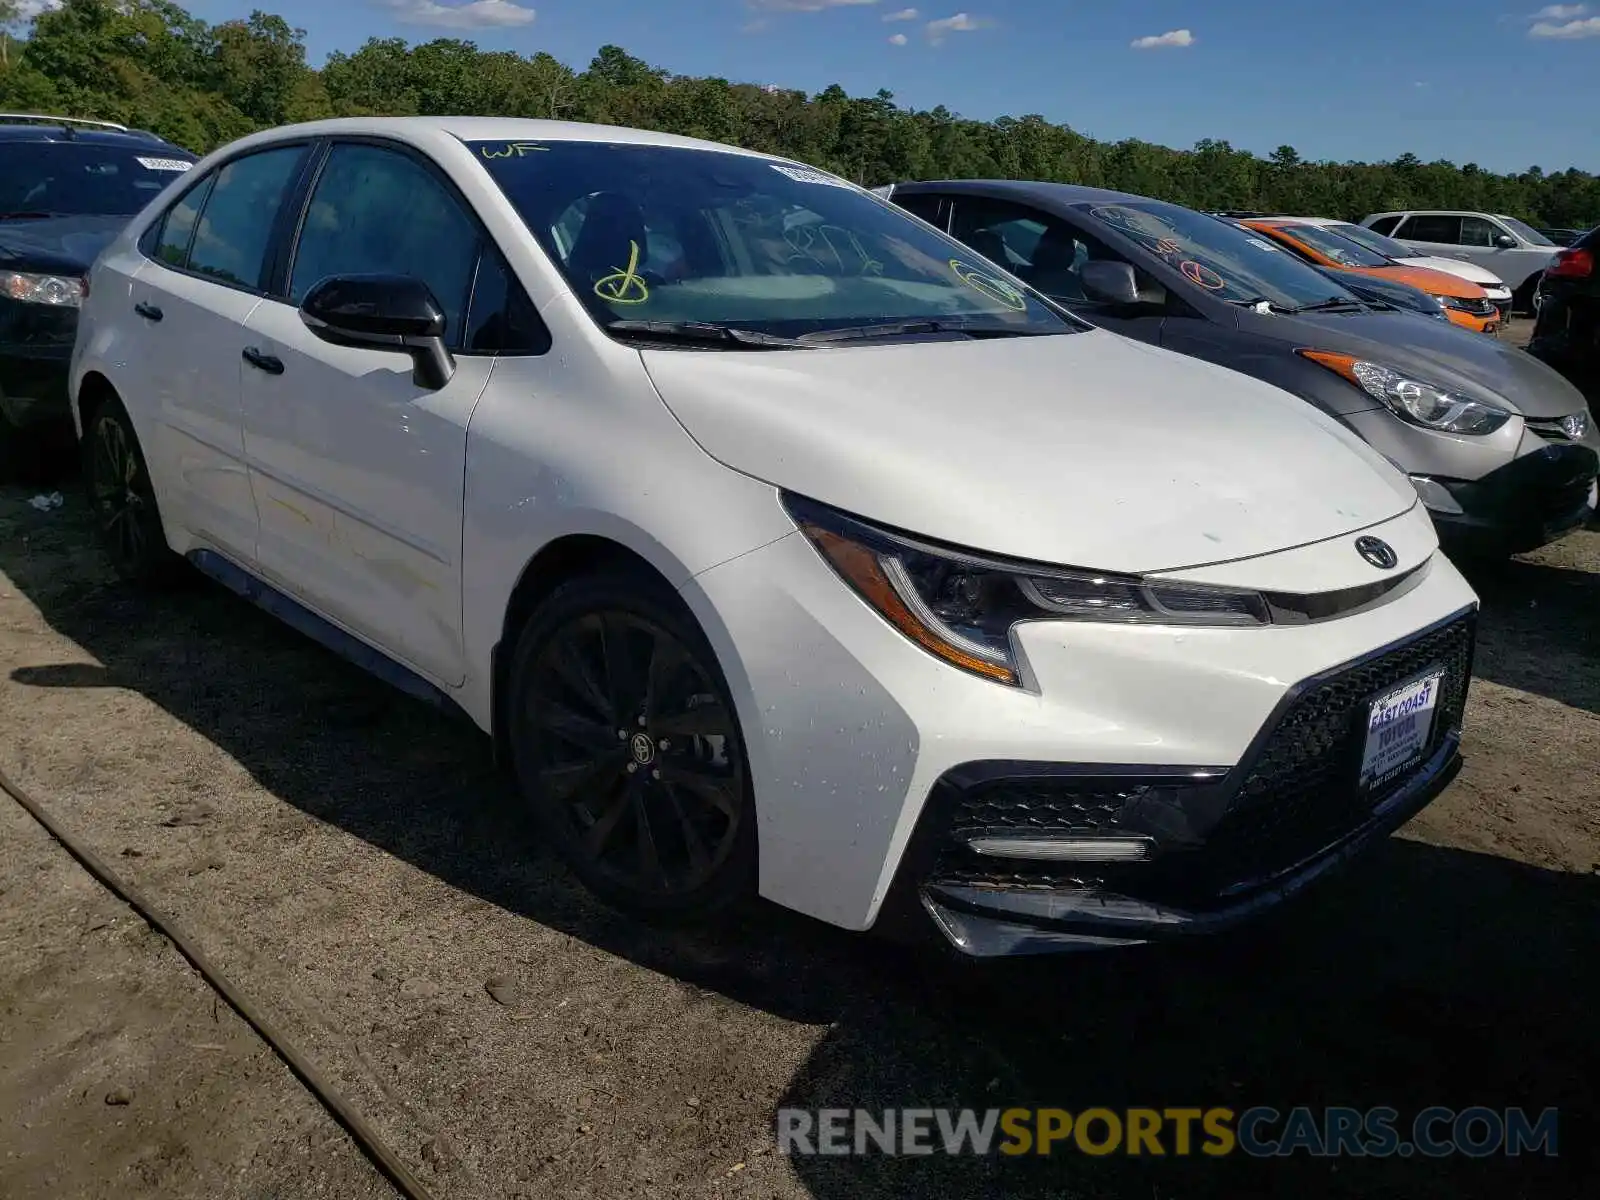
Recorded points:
(962, 607)
(1477, 308)
(1417, 401)
(61, 291)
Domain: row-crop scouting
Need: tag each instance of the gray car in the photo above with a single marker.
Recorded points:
(1514, 251)
(1500, 448)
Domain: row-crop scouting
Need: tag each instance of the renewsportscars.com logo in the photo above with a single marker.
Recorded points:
(1258, 1132)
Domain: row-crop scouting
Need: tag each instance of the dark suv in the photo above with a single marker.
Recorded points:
(67, 187)
(1567, 333)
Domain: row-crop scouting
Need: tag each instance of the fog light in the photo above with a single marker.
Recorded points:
(1053, 849)
(1436, 496)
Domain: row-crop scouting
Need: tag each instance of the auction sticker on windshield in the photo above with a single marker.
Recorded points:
(165, 164)
(1398, 726)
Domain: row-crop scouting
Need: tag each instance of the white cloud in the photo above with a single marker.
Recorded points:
(938, 30)
(898, 39)
(29, 9)
(805, 6)
(1176, 38)
(904, 14)
(475, 14)
(1584, 28)
(1560, 12)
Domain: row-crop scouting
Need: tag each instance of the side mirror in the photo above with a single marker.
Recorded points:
(1505, 241)
(383, 312)
(1117, 283)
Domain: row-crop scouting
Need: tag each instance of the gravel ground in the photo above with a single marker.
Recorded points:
(348, 857)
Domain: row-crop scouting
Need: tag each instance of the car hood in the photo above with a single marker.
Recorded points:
(1471, 272)
(57, 244)
(1436, 351)
(1435, 283)
(1086, 449)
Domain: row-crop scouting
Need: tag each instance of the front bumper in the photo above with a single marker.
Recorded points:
(1224, 846)
(1531, 501)
(33, 384)
(853, 731)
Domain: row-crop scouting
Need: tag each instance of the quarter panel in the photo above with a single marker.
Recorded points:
(577, 442)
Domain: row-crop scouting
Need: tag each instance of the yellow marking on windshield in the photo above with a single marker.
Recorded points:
(996, 289)
(624, 286)
(510, 149)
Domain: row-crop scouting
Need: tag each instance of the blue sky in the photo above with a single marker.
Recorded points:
(1484, 81)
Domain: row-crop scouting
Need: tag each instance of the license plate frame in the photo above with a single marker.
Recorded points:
(1398, 728)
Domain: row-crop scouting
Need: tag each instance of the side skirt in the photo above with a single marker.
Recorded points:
(300, 618)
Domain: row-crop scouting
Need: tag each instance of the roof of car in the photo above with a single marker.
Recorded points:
(33, 129)
(494, 129)
(1021, 190)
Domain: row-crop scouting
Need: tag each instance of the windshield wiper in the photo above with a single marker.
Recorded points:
(894, 329)
(701, 333)
(27, 216)
(1331, 304)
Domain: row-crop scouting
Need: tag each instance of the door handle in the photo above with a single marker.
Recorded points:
(263, 362)
(148, 311)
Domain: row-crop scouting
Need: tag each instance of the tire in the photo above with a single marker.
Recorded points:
(123, 501)
(626, 746)
(1522, 298)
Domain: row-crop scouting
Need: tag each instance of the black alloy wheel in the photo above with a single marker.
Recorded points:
(122, 497)
(626, 745)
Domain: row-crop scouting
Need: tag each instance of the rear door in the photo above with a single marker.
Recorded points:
(1433, 233)
(358, 470)
(189, 305)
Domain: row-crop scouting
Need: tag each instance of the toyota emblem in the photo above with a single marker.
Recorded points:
(1377, 552)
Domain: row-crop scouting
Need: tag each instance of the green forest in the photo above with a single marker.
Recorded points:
(151, 64)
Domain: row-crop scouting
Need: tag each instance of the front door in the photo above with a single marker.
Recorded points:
(1048, 253)
(358, 471)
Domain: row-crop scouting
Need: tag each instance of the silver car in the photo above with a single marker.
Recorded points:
(1515, 252)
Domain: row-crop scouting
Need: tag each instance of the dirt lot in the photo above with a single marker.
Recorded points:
(353, 863)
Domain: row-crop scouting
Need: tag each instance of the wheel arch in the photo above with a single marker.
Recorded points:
(566, 557)
(93, 391)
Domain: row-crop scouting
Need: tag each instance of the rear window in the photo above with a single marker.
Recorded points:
(85, 179)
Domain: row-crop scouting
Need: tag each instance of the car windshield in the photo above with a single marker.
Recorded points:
(1373, 240)
(1335, 246)
(1526, 232)
(1231, 263)
(652, 237)
(84, 179)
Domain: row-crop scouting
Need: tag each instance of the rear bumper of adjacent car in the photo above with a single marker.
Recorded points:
(875, 764)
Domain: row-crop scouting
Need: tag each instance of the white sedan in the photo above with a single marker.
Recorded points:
(781, 543)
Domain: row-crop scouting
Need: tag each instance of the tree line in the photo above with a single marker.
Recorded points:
(151, 64)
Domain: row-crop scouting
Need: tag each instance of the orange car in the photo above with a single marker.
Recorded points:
(1466, 304)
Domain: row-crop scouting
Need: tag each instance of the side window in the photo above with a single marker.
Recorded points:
(1044, 251)
(230, 243)
(1384, 225)
(500, 318)
(1444, 230)
(376, 210)
(176, 229)
(1475, 231)
(921, 205)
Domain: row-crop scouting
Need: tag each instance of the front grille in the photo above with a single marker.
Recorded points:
(1293, 796)
(1560, 429)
